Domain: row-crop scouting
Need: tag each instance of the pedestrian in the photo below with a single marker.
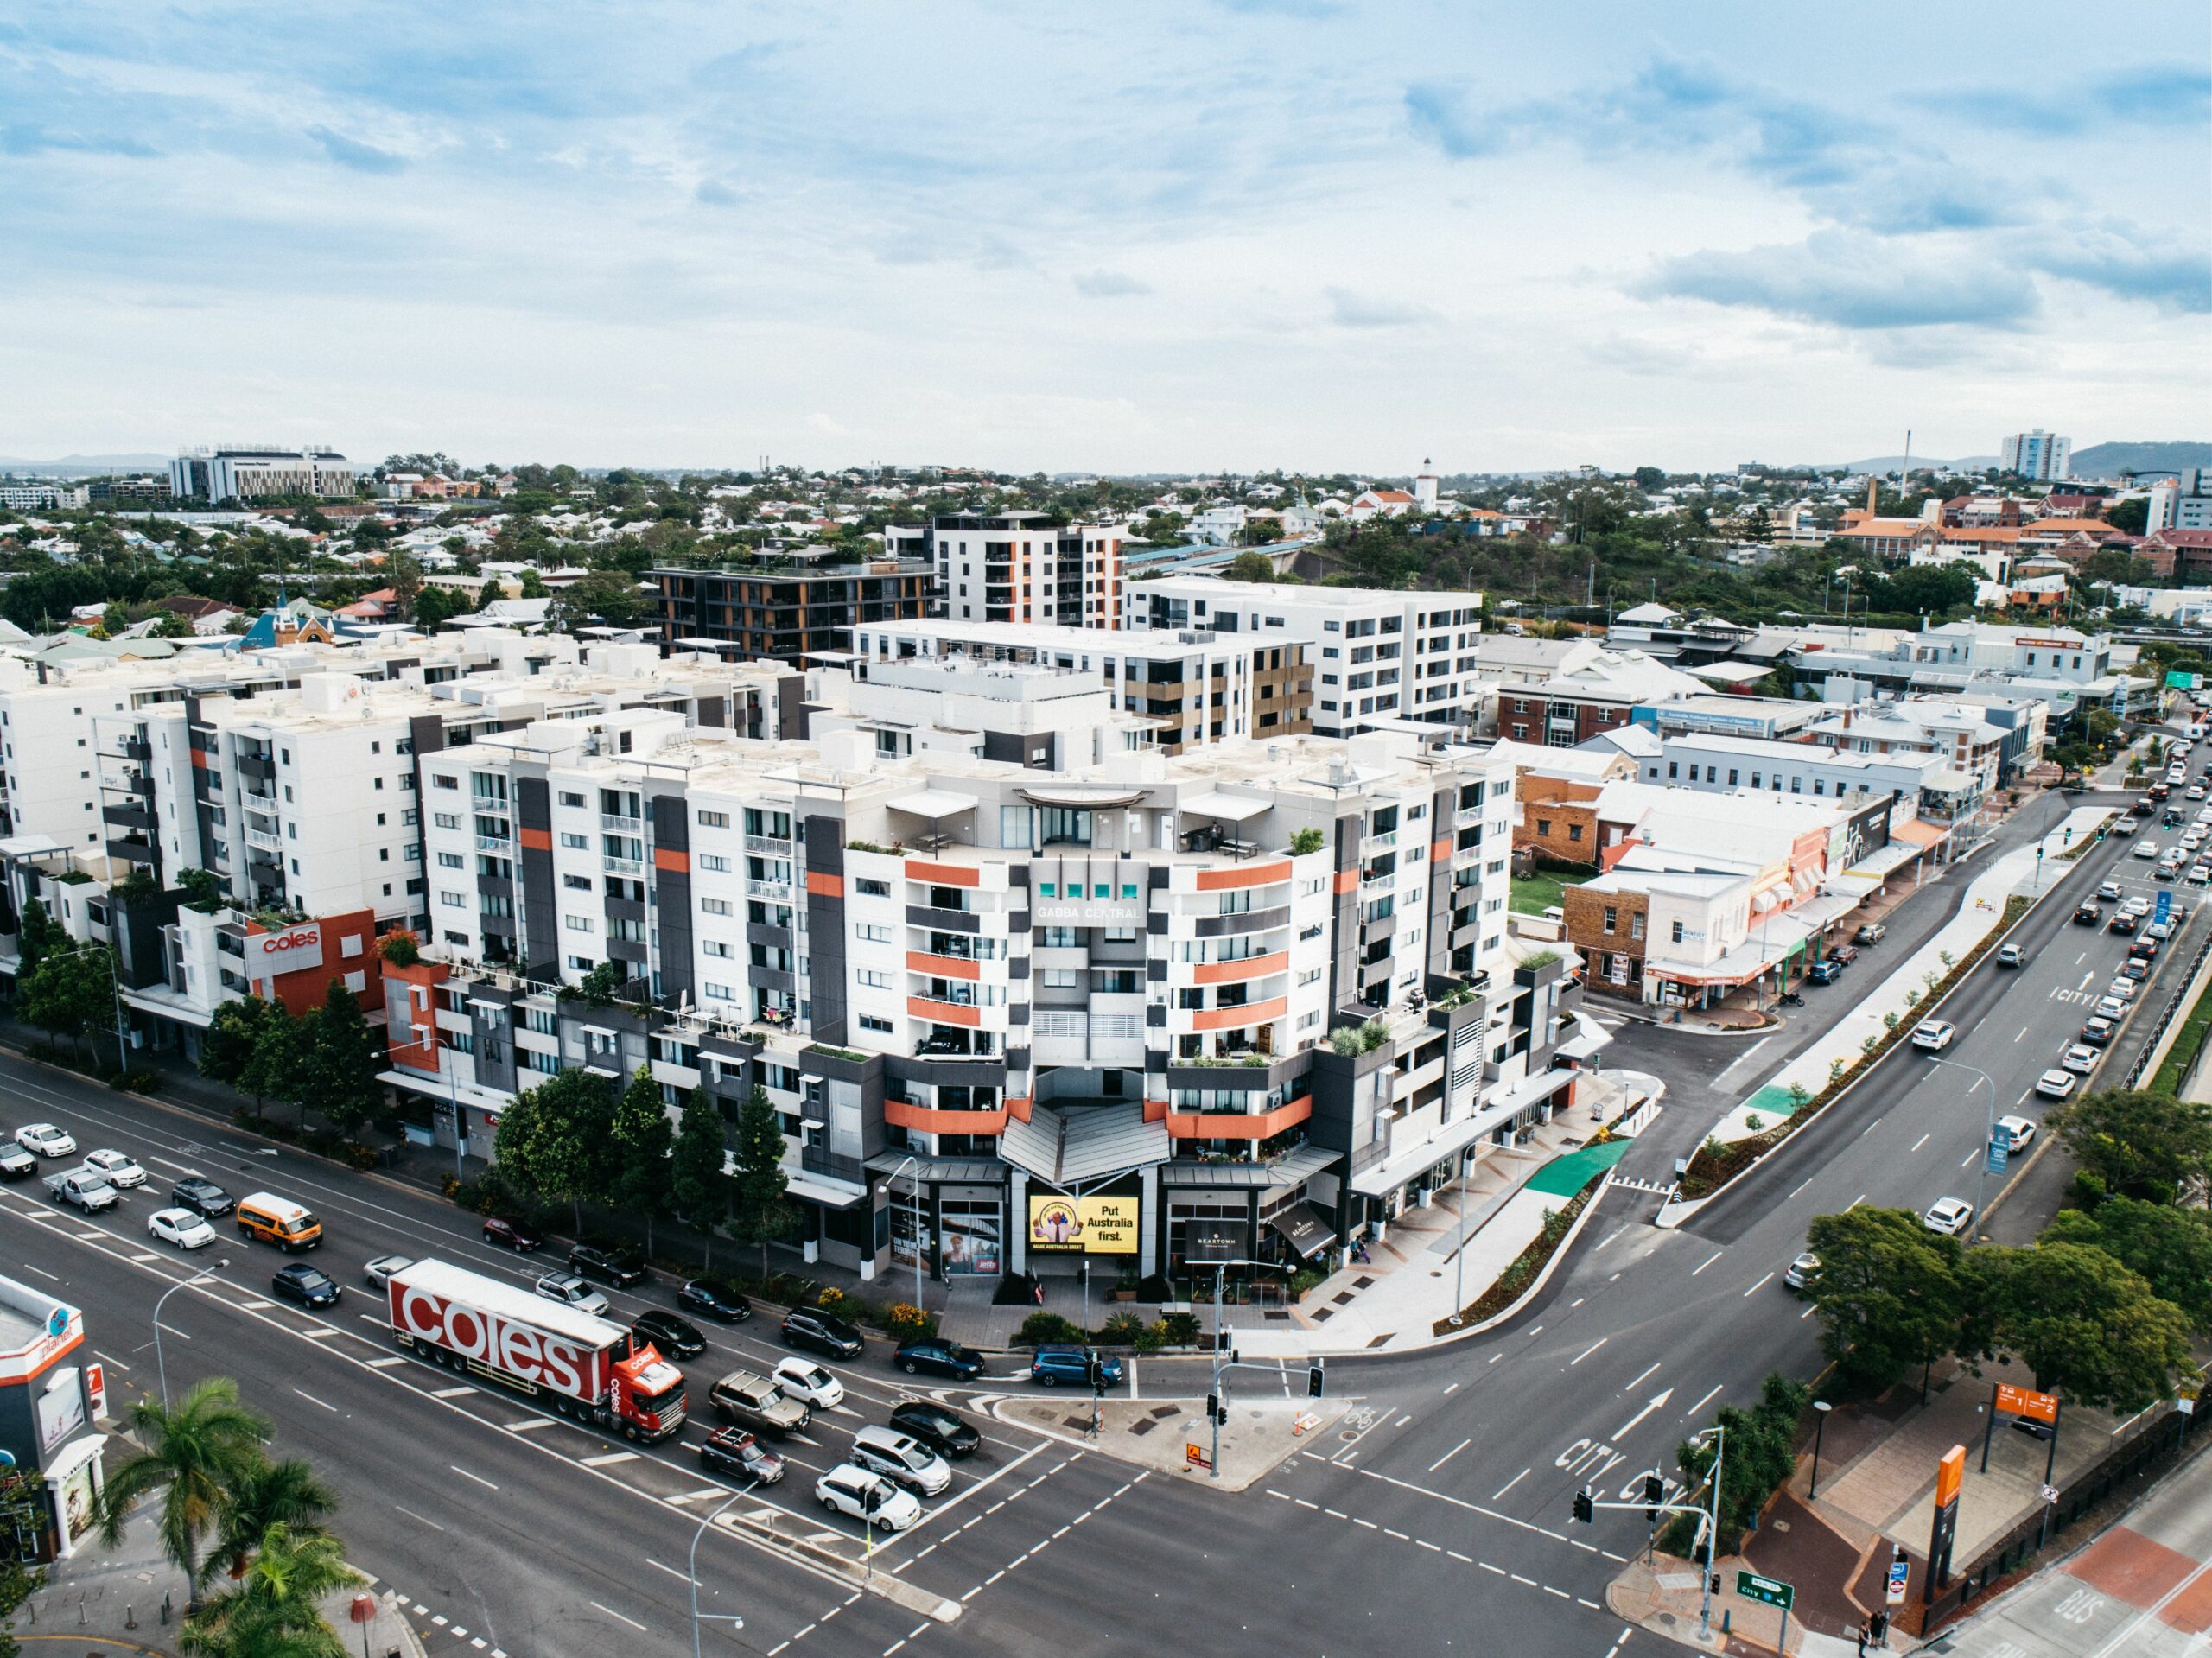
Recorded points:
(1863, 1632)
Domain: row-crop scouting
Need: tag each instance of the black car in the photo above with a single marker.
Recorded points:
(2088, 916)
(934, 1356)
(723, 1305)
(16, 1163)
(733, 1451)
(824, 1332)
(675, 1337)
(608, 1263)
(940, 1429)
(203, 1197)
(310, 1286)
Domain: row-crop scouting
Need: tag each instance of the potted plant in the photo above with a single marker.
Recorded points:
(1125, 1287)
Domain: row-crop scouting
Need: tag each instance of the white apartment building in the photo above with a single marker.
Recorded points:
(1377, 655)
(247, 471)
(1026, 567)
(2040, 455)
(31, 498)
(1029, 712)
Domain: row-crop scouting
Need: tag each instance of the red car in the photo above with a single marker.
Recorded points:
(518, 1235)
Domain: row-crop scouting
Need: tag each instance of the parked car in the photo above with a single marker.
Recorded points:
(1058, 1363)
(2123, 988)
(1872, 932)
(2135, 967)
(180, 1227)
(16, 1163)
(2110, 1007)
(1799, 1274)
(1824, 972)
(310, 1286)
(571, 1290)
(2145, 948)
(862, 1495)
(1933, 1035)
(2055, 1084)
(122, 1173)
(806, 1380)
(733, 1451)
(936, 1426)
(898, 1457)
(2080, 1059)
(744, 1399)
(723, 1305)
(609, 1263)
(677, 1337)
(378, 1269)
(2022, 1130)
(1845, 953)
(202, 1196)
(2011, 956)
(934, 1356)
(44, 1139)
(516, 1235)
(1950, 1215)
(822, 1332)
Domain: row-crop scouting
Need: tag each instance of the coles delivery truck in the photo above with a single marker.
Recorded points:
(573, 1364)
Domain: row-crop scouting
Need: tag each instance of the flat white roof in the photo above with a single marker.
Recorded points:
(511, 1301)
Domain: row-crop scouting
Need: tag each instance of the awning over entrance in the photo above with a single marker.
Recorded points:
(1302, 1230)
(1086, 1143)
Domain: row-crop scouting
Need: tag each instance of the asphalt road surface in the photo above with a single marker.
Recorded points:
(1436, 1521)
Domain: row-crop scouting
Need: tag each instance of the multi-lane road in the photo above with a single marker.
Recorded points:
(1437, 1522)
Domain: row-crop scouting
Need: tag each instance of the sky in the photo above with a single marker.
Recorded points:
(1210, 234)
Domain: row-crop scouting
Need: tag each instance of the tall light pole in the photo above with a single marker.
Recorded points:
(1219, 1396)
(200, 1277)
(434, 1040)
(692, 1571)
(916, 1162)
(1820, 1428)
(1713, 1534)
(1988, 1133)
(115, 990)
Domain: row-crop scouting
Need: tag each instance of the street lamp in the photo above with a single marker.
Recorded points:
(159, 1364)
(692, 1571)
(1988, 1133)
(436, 1039)
(1219, 1394)
(115, 988)
(915, 1162)
(1719, 1436)
(1820, 1424)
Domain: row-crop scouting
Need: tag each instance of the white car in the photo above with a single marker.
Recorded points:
(44, 1139)
(2123, 988)
(1933, 1035)
(2109, 891)
(2199, 874)
(810, 1382)
(869, 1499)
(571, 1290)
(122, 1173)
(2022, 1130)
(2055, 1084)
(1799, 1273)
(2110, 1007)
(1950, 1215)
(2079, 1059)
(378, 1269)
(2146, 850)
(2160, 930)
(2137, 906)
(180, 1227)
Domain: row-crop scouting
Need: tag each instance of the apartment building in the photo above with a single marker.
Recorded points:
(1378, 656)
(1031, 714)
(32, 497)
(1601, 693)
(256, 471)
(1028, 566)
(798, 616)
(1716, 764)
(1193, 687)
(2040, 455)
(1048, 1014)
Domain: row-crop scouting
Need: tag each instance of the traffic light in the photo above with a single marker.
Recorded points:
(1586, 1507)
(1654, 1488)
(1097, 1374)
(1713, 1582)
(1213, 1405)
(1312, 1382)
(1222, 1416)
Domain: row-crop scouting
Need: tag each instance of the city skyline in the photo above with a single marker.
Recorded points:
(1289, 234)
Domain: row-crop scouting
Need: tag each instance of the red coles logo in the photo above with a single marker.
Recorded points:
(516, 1349)
(293, 941)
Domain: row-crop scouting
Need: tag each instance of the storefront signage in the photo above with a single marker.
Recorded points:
(2026, 1402)
(292, 950)
(60, 1408)
(1105, 1226)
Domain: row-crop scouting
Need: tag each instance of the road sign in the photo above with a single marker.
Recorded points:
(2051, 1494)
(2026, 1402)
(1769, 1591)
(1893, 1591)
(2165, 907)
(2001, 1147)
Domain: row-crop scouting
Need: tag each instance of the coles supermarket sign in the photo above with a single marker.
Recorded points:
(535, 1356)
(268, 954)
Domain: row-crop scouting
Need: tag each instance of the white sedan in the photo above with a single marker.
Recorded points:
(122, 1173)
(810, 1382)
(2055, 1084)
(2079, 1059)
(1948, 1215)
(2021, 1129)
(2146, 850)
(44, 1139)
(180, 1227)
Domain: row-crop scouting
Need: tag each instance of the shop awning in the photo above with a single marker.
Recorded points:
(934, 803)
(1303, 1230)
(1228, 809)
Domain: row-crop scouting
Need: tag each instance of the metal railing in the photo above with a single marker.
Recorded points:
(2177, 1003)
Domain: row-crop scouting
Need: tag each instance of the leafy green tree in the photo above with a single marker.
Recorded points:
(608, 596)
(1251, 566)
(275, 1609)
(404, 571)
(435, 607)
(346, 1058)
(2141, 1145)
(194, 1455)
(642, 1139)
(2085, 1325)
(2129, 518)
(265, 1494)
(38, 934)
(697, 1182)
(1887, 1293)
(1760, 1453)
(533, 584)
(201, 888)
(226, 1052)
(69, 992)
(759, 1213)
(18, 1583)
(2170, 1248)
(563, 1143)
(277, 1068)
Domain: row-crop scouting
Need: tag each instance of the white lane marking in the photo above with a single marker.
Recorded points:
(105, 1359)
(451, 1392)
(2024, 1031)
(1855, 1202)
(1701, 1403)
(259, 1306)
(1708, 1262)
(1970, 1158)
(386, 1364)
(1448, 1455)
(1801, 1185)
(1626, 1386)
(1588, 1351)
(681, 1576)
(610, 1458)
(619, 1618)
(42, 1271)
(528, 1425)
(312, 1400)
(1509, 1485)
(478, 1478)
(411, 1515)
(1754, 1289)
(1917, 1144)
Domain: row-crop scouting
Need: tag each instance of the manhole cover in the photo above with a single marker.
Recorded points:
(1347, 1437)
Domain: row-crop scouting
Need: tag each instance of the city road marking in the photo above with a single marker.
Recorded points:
(312, 1400)
(42, 1271)
(1970, 1158)
(1449, 1391)
(386, 1364)
(1487, 1566)
(149, 1255)
(1870, 1128)
(411, 1515)
(1588, 1351)
(1701, 1403)
(619, 1618)
(1854, 1203)
(2024, 1031)
(1448, 1455)
(1801, 1185)
(1917, 1144)
(1708, 1262)
(1755, 1288)
(610, 1458)
(478, 1478)
(451, 1392)
(258, 1306)
(1626, 1386)
(319, 1332)
(681, 1576)
(1507, 1486)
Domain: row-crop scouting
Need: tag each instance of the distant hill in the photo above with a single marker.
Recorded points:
(1891, 462)
(78, 466)
(2110, 459)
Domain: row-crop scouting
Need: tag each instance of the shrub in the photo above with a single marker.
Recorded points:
(1755, 1122)
(905, 1321)
(1307, 841)
(1179, 1330)
(1040, 1327)
(1152, 1338)
(448, 1186)
(134, 1082)
(1122, 1329)
(836, 1302)
(2089, 1188)
(400, 948)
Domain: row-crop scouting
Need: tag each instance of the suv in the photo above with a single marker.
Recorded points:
(571, 1290)
(744, 1399)
(936, 1426)
(519, 1236)
(733, 1451)
(868, 1497)
(1870, 933)
(620, 1268)
(908, 1461)
(1064, 1361)
(1933, 1035)
(1824, 972)
(824, 1332)
(939, 1357)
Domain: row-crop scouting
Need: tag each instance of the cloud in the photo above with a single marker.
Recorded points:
(22, 138)
(2173, 279)
(1851, 282)
(1351, 310)
(718, 192)
(352, 153)
(1109, 284)
(2154, 95)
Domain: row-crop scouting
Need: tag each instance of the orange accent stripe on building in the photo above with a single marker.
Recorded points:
(200, 758)
(1018, 1107)
(943, 1013)
(822, 883)
(672, 859)
(1252, 1012)
(1155, 1111)
(945, 967)
(1250, 874)
(1252, 967)
(943, 874)
(1346, 879)
(1439, 850)
(1238, 1125)
(535, 840)
(900, 1114)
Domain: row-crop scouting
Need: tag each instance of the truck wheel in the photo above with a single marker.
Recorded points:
(629, 1429)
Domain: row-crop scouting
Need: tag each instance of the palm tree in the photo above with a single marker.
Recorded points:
(275, 1609)
(194, 1455)
(266, 1494)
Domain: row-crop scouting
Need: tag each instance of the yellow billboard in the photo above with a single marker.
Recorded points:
(1105, 1226)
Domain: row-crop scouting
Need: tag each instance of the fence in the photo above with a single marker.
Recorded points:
(2141, 1459)
(2177, 1003)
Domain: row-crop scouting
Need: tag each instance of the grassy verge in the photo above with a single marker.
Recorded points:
(1521, 1271)
(1545, 889)
(2189, 1041)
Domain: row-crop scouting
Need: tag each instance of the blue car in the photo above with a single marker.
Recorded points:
(1072, 1364)
(1825, 972)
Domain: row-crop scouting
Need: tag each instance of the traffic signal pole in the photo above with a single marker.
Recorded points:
(1587, 1507)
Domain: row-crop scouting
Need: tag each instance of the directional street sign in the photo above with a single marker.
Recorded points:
(2166, 909)
(1893, 1591)
(1770, 1591)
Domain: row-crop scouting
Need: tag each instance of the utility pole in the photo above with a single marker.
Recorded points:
(1587, 1507)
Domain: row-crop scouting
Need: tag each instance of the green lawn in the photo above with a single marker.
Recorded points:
(1542, 892)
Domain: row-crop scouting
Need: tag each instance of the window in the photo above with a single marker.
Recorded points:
(452, 900)
(1674, 769)
(870, 1022)
(577, 923)
(1015, 826)
(576, 883)
(872, 935)
(571, 799)
(714, 992)
(1066, 826)
(868, 979)
(1675, 932)
(715, 905)
(1048, 889)
(441, 780)
(714, 820)
(713, 862)
(450, 861)
(872, 888)
(1636, 925)
(576, 842)
(1612, 917)
(717, 947)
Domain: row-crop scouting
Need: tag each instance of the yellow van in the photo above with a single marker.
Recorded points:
(279, 1221)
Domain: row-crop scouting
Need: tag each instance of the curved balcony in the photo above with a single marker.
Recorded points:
(1252, 967)
(1250, 1012)
(927, 1120)
(1239, 1125)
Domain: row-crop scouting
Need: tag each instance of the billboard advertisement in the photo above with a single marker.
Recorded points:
(1103, 1226)
(972, 1245)
(268, 954)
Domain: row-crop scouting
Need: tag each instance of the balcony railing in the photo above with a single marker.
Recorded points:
(617, 823)
(623, 865)
(769, 846)
(264, 839)
(755, 888)
(493, 843)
